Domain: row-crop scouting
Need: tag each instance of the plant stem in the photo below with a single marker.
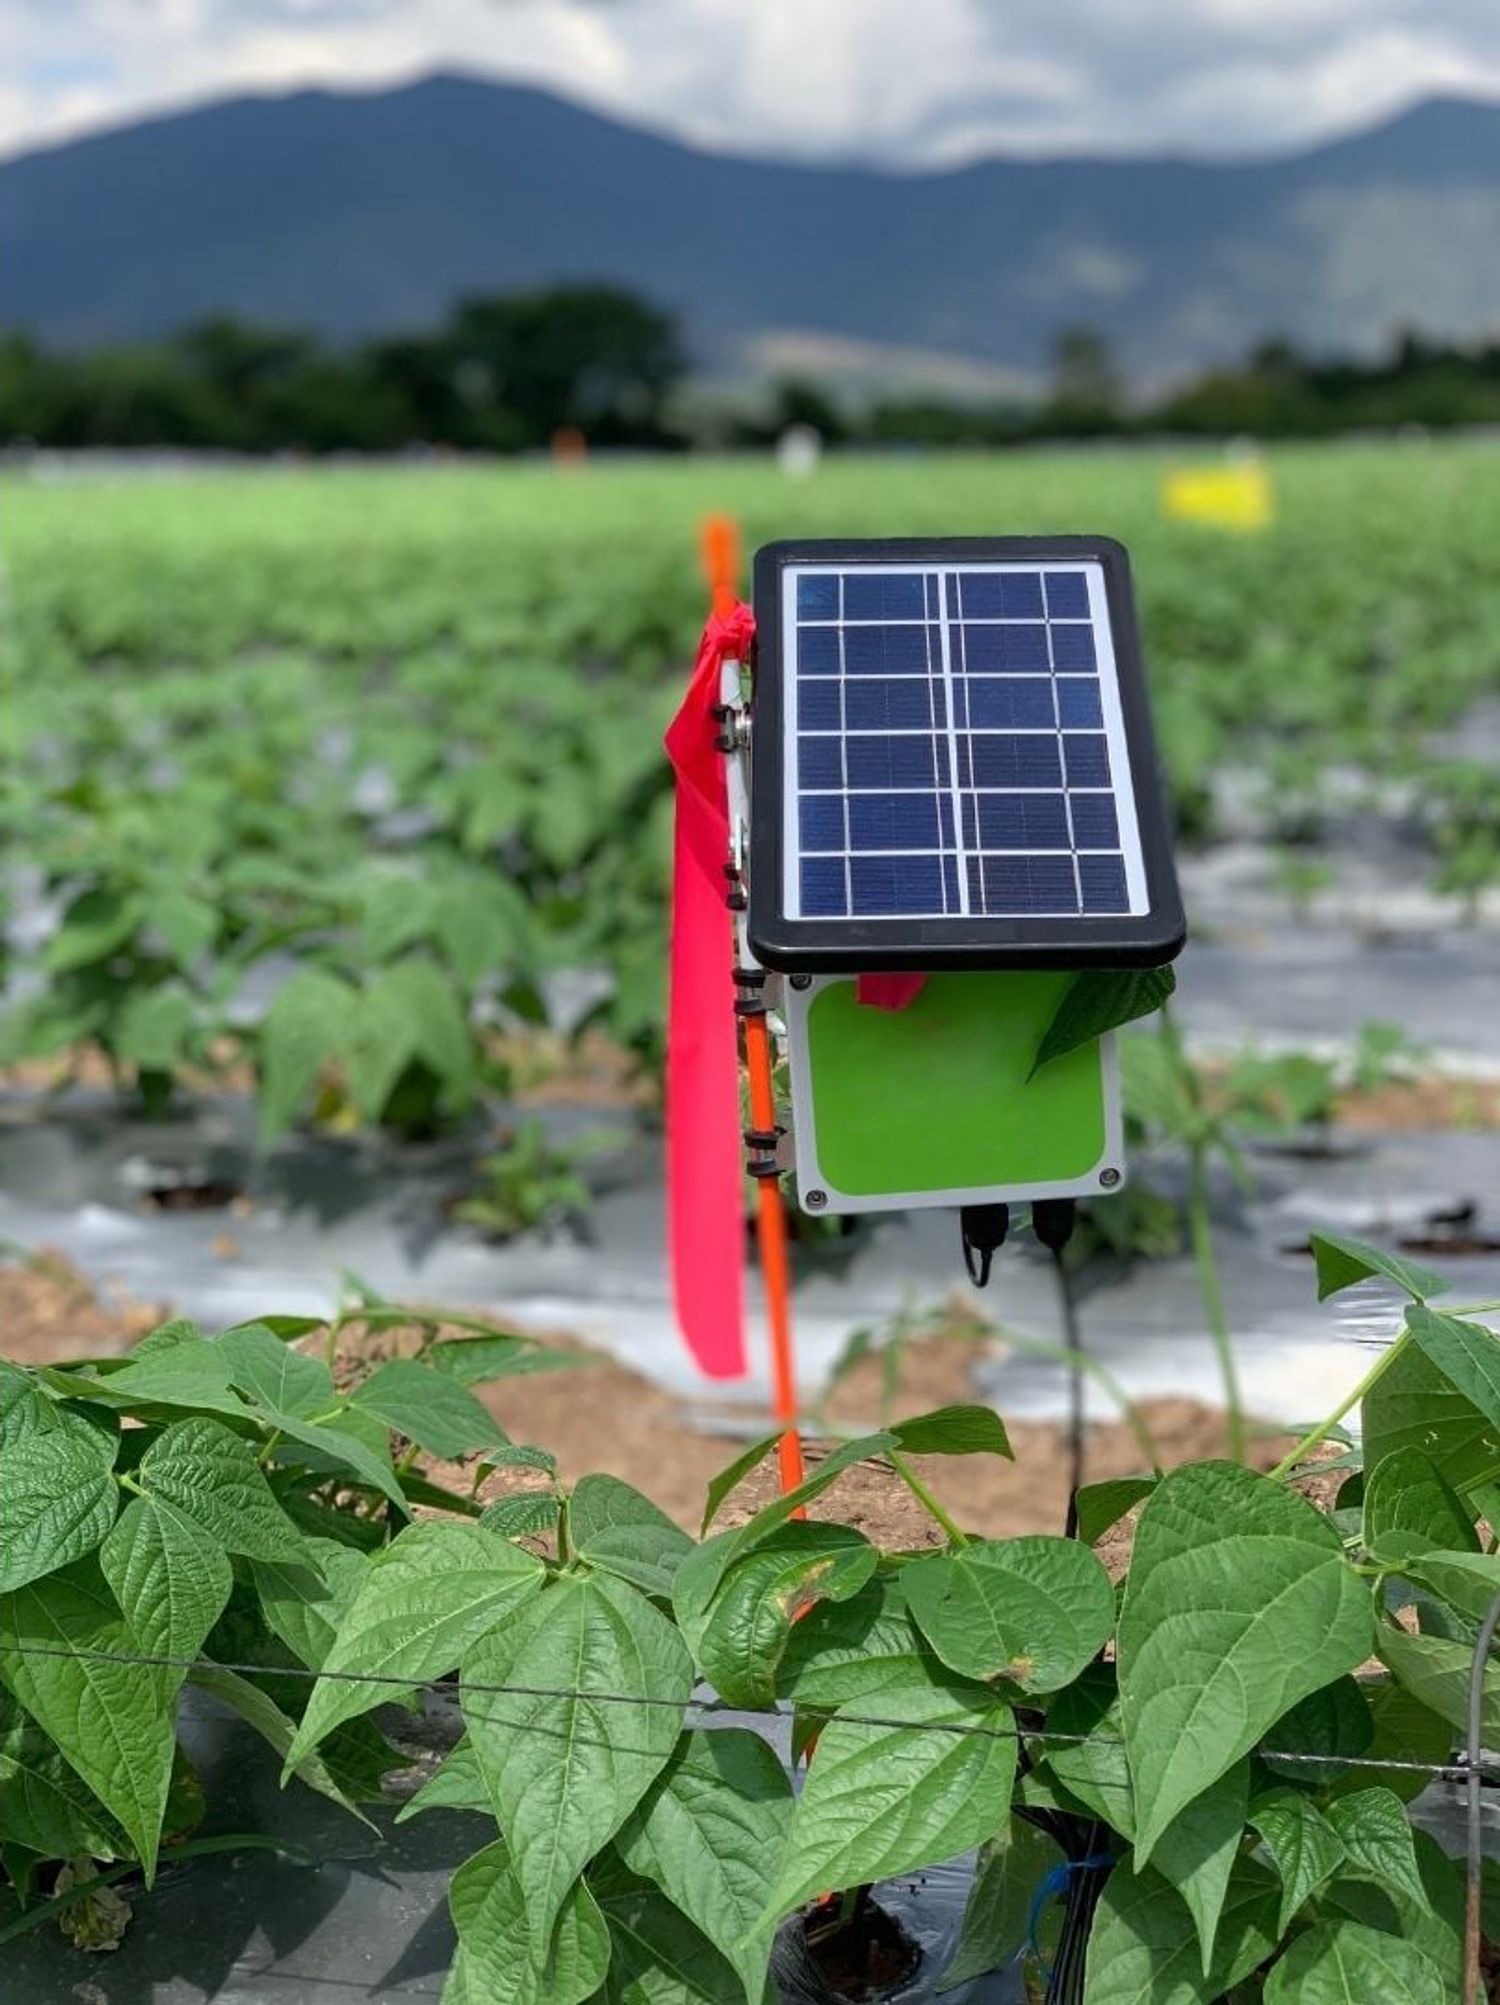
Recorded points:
(1200, 1229)
(1324, 1428)
(925, 1497)
(272, 1442)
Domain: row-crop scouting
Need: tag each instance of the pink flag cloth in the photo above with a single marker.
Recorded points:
(705, 1197)
(887, 991)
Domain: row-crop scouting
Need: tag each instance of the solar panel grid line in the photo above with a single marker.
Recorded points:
(961, 875)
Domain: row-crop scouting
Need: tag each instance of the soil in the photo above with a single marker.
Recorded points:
(49, 1314)
(859, 1954)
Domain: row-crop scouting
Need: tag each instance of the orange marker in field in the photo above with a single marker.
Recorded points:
(719, 552)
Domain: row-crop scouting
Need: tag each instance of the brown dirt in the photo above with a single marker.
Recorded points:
(49, 1314)
(1419, 1104)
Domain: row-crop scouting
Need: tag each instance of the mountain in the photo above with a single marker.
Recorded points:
(358, 214)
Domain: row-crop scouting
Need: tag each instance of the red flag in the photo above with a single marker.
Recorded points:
(705, 1197)
(887, 991)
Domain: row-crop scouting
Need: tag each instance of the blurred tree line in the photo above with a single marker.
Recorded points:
(511, 373)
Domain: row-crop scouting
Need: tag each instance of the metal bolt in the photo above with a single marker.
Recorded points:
(1108, 1179)
(815, 1200)
(801, 981)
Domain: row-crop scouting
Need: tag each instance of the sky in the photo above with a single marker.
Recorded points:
(905, 81)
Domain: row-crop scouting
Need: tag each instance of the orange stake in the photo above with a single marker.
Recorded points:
(770, 1226)
(719, 553)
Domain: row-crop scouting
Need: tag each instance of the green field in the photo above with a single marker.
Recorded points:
(393, 733)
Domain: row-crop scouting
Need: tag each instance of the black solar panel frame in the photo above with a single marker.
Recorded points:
(855, 945)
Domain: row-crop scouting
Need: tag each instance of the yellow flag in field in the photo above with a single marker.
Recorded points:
(1231, 497)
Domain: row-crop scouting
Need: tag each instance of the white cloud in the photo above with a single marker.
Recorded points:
(922, 80)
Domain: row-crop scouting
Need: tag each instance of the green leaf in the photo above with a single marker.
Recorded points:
(1401, 1729)
(306, 1027)
(430, 1408)
(154, 1027)
(528, 1514)
(1342, 1263)
(60, 1497)
(44, 1807)
(188, 924)
(730, 1546)
(426, 1598)
(998, 1913)
(212, 1477)
(1340, 1961)
(457, 1783)
(1372, 1826)
(406, 1011)
(482, 1360)
(1304, 1847)
(1239, 1603)
(657, 1957)
(613, 1527)
(273, 1376)
(1413, 1405)
(740, 1641)
(171, 1579)
(106, 1717)
(275, 1728)
(734, 1473)
(1093, 1770)
(1405, 1494)
(857, 1649)
(1143, 1949)
(1467, 1354)
(500, 1960)
(1099, 1000)
(566, 1769)
(304, 1607)
(709, 1832)
(882, 1800)
(1436, 1673)
(92, 928)
(1101, 1505)
(193, 1374)
(1467, 1581)
(954, 1430)
(1032, 1610)
(1198, 1849)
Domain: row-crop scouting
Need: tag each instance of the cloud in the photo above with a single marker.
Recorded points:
(885, 79)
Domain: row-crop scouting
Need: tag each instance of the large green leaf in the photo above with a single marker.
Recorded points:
(709, 1832)
(500, 1962)
(276, 1728)
(1406, 1495)
(1372, 1827)
(1198, 1849)
(480, 1360)
(430, 1408)
(657, 1956)
(425, 1599)
(566, 1768)
(1340, 1962)
(1092, 1768)
(273, 1376)
(1467, 1581)
(171, 1579)
(306, 1026)
(43, 1804)
(1239, 1603)
(1343, 1262)
(212, 1477)
(304, 1607)
(1413, 1405)
(856, 1649)
(1101, 1505)
(406, 1011)
(59, 1642)
(457, 1783)
(1436, 1673)
(1467, 1354)
(613, 1527)
(729, 1478)
(1099, 1000)
(998, 1914)
(880, 1800)
(59, 1499)
(1304, 1847)
(1031, 1610)
(1143, 1948)
(709, 1563)
(954, 1430)
(741, 1640)
(94, 925)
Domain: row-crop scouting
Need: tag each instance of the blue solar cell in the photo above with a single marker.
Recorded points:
(1095, 823)
(1102, 879)
(899, 596)
(817, 597)
(1067, 595)
(1022, 821)
(1004, 595)
(893, 821)
(818, 651)
(994, 760)
(824, 895)
(820, 822)
(820, 762)
(893, 885)
(1018, 649)
(893, 762)
(896, 704)
(1001, 885)
(1073, 650)
(1086, 756)
(1078, 705)
(891, 650)
(820, 706)
(951, 901)
(1007, 703)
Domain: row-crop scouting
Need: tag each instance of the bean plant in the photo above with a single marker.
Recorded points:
(1176, 1752)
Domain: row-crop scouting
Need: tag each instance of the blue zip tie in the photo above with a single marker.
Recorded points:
(1050, 1885)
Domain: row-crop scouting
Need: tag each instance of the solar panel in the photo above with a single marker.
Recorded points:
(952, 755)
